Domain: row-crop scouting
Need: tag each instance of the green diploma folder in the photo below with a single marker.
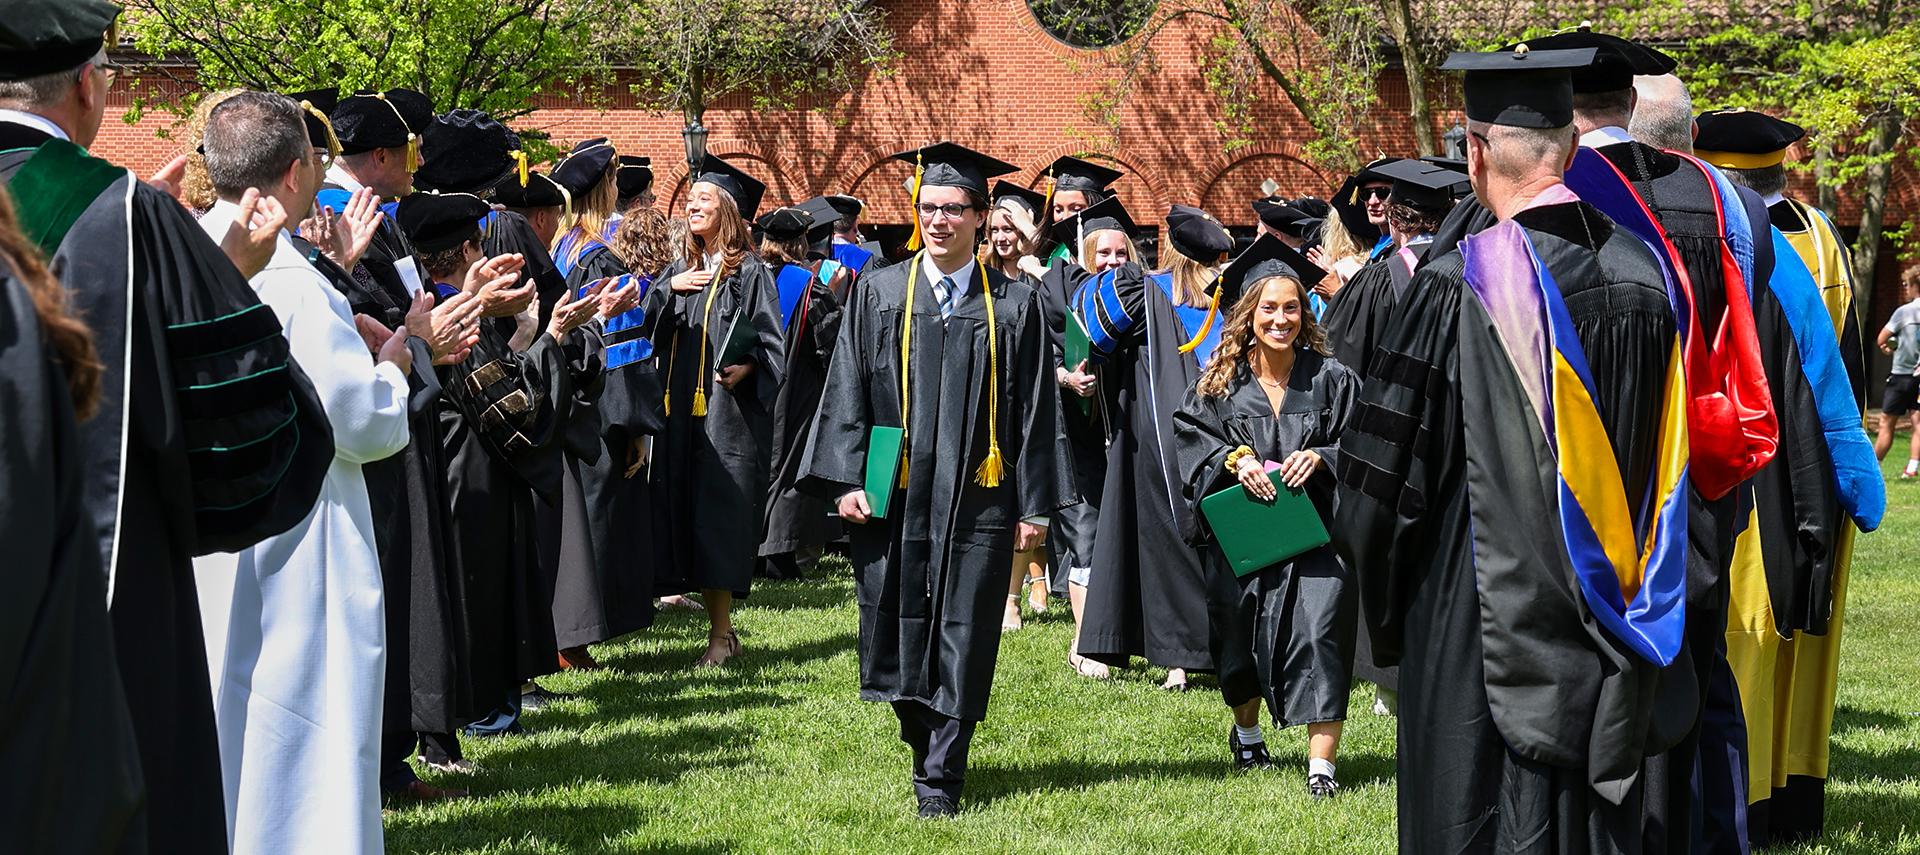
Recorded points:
(1255, 535)
(1077, 347)
(741, 337)
(883, 467)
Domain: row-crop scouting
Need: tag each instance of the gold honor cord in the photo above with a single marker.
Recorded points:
(700, 379)
(993, 468)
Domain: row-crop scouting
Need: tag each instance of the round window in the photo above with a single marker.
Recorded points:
(1092, 23)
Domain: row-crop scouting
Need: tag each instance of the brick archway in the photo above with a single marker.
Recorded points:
(781, 188)
(1234, 181)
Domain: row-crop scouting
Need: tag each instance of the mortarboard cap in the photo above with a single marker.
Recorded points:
(435, 222)
(1197, 235)
(1522, 87)
(315, 104)
(1072, 173)
(1011, 193)
(745, 189)
(1615, 60)
(1267, 257)
(785, 223)
(1422, 184)
(1289, 216)
(538, 192)
(1352, 208)
(1313, 206)
(467, 151)
(365, 121)
(847, 207)
(947, 164)
(825, 217)
(634, 176)
(584, 167)
(40, 37)
(1743, 139)
(1100, 216)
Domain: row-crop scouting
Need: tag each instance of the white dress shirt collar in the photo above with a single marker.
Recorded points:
(338, 176)
(1605, 136)
(35, 121)
(961, 278)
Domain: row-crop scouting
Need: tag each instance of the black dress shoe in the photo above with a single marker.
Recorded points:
(938, 807)
(1322, 786)
(541, 698)
(1247, 758)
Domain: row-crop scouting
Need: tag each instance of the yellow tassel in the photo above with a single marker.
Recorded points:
(520, 160)
(666, 404)
(988, 475)
(903, 469)
(413, 153)
(699, 403)
(1046, 212)
(1213, 311)
(913, 204)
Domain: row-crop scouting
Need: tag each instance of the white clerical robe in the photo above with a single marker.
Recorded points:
(296, 633)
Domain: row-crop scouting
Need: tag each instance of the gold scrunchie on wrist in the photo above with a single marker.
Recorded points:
(1235, 456)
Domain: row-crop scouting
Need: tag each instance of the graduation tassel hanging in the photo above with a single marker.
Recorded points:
(919, 171)
(992, 468)
(520, 163)
(1213, 313)
(700, 379)
(333, 140)
(413, 153)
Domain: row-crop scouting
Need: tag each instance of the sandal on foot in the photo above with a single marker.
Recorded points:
(731, 648)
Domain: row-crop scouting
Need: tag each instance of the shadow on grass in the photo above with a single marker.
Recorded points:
(1851, 764)
(575, 828)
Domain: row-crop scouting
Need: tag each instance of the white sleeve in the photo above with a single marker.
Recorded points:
(366, 404)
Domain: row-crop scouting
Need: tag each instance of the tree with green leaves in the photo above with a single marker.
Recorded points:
(688, 52)
(493, 55)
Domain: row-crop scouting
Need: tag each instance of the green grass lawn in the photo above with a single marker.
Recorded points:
(776, 753)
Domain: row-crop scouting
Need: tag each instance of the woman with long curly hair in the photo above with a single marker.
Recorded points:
(1146, 595)
(723, 364)
(1271, 406)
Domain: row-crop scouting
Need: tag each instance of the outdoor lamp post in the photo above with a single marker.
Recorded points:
(695, 135)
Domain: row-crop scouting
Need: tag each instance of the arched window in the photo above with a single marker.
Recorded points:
(1092, 24)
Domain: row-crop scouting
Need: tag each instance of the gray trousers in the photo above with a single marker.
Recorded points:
(939, 744)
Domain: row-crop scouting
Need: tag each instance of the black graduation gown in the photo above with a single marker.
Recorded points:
(1147, 595)
(169, 312)
(1522, 725)
(67, 739)
(508, 232)
(712, 471)
(1285, 632)
(796, 520)
(931, 578)
(501, 422)
(1070, 540)
(593, 596)
(427, 687)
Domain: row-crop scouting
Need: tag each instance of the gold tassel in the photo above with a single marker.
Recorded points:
(520, 160)
(1046, 213)
(666, 404)
(699, 403)
(903, 469)
(333, 140)
(413, 153)
(988, 475)
(1213, 312)
(913, 204)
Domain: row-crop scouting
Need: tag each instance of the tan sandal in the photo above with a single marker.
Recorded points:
(731, 649)
(1085, 667)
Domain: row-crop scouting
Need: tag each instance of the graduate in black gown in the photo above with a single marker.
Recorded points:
(851, 248)
(1147, 595)
(977, 476)
(1272, 399)
(1716, 258)
(1529, 659)
(617, 598)
(635, 182)
(795, 244)
(725, 359)
(1101, 236)
(426, 689)
(69, 751)
(382, 146)
(173, 320)
(567, 554)
(1012, 238)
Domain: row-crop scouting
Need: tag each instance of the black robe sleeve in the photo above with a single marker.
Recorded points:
(1039, 477)
(835, 459)
(259, 444)
(1204, 437)
(1404, 437)
(518, 402)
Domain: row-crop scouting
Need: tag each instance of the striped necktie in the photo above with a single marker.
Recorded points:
(950, 296)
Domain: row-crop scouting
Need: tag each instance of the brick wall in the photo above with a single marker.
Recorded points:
(984, 74)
